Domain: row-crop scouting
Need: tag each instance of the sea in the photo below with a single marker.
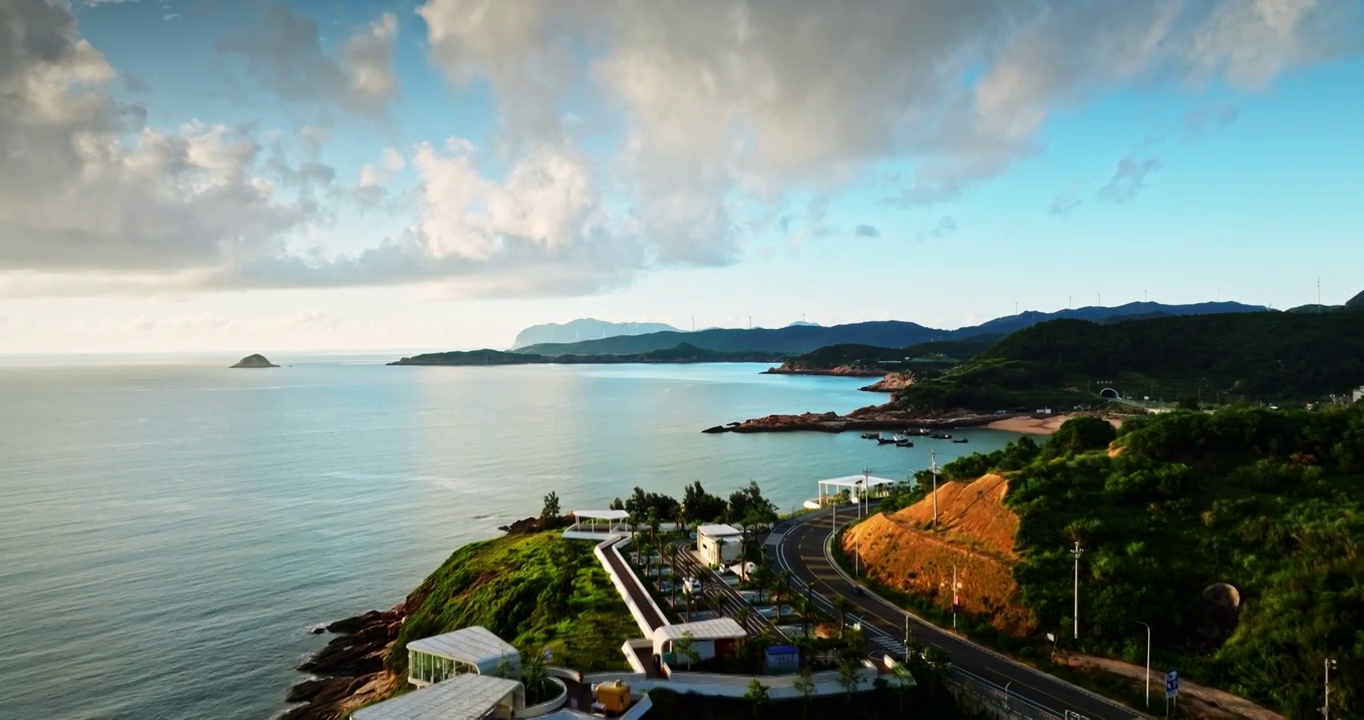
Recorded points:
(170, 529)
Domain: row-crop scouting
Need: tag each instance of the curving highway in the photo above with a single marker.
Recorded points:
(799, 545)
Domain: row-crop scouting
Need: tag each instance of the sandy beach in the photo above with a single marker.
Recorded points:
(1038, 426)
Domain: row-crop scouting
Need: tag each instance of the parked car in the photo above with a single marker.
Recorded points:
(691, 586)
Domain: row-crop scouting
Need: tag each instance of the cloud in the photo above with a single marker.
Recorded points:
(630, 135)
(867, 231)
(944, 226)
(1129, 179)
(285, 52)
(1208, 118)
(95, 189)
(1065, 203)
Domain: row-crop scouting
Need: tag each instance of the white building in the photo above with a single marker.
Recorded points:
(1359, 393)
(473, 650)
(718, 544)
(709, 638)
(463, 697)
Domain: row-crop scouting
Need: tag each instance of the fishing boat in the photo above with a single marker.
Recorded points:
(940, 436)
(904, 442)
(960, 440)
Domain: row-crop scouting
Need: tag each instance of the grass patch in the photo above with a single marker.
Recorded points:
(537, 590)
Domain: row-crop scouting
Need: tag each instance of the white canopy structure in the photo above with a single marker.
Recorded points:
(599, 521)
(463, 697)
(467, 650)
(855, 484)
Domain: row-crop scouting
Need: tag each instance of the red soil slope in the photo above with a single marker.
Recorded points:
(975, 532)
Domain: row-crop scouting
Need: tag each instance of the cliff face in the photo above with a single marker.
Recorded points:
(254, 361)
(892, 382)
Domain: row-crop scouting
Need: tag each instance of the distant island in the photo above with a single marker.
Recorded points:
(796, 339)
(254, 361)
(682, 353)
(583, 329)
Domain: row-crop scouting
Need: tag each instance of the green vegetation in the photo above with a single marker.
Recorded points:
(885, 700)
(1269, 503)
(1226, 358)
(924, 359)
(536, 590)
(681, 353)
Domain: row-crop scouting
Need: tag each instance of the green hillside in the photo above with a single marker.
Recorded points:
(1271, 503)
(1267, 356)
(534, 591)
(923, 357)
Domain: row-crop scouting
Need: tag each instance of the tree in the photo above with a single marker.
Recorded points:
(849, 676)
(686, 647)
(1190, 403)
(904, 684)
(757, 694)
(720, 544)
(805, 685)
(534, 672)
(701, 505)
(843, 606)
(672, 579)
(550, 511)
(748, 501)
(743, 615)
(617, 504)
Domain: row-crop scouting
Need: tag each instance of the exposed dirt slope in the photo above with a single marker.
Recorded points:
(975, 532)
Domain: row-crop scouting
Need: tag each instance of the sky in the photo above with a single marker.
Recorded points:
(201, 175)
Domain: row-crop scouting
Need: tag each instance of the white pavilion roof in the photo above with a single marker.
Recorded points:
(462, 697)
(601, 514)
(716, 629)
(851, 481)
(475, 645)
(719, 531)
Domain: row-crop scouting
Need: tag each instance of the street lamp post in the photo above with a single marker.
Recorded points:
(1326, 706)
(1148, 663)
(1078, 551)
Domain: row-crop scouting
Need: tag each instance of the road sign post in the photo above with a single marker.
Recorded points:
(1171, 690)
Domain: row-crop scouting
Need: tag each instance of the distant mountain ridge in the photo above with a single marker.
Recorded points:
(583, 329)
(882, 333)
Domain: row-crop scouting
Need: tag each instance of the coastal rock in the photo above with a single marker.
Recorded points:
(717, 429)
(892, 382)
(350, 662)
(797, 367)
(305, 691)
(352, 625)
(254, 361)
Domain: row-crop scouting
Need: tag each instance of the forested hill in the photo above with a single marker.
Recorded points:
(1266, 356)
(682, 353)
(886, 334)
(1236, 535)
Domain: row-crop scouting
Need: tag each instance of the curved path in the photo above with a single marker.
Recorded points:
(800, 546)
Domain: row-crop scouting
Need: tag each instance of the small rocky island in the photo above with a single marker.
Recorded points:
(254, 361)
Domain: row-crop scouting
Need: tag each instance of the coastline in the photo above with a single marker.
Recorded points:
(874, 417)
(1029, 425)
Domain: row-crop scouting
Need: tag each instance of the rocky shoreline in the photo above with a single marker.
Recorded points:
(792, 368)
(349, 671)
(892, 382)
(876, 417)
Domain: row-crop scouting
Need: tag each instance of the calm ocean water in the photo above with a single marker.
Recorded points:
(170, 530)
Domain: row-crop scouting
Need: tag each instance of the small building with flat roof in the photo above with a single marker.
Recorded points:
(858, 487)
(462, 697)
(467, 650)
(710, 638)
(719, 544)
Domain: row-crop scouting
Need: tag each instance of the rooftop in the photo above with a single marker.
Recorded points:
(719, 531)
(474, 645)
(601, 514)
(857, 481)
(462, 697)
(718, 628)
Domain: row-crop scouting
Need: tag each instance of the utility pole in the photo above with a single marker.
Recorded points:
(933, 467)
(1070, 301)
(1015, 307)
(1148, 663)
(750, 322)
(1078, 551)
(1101, 299)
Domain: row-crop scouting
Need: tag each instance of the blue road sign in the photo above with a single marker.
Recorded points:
(1172, 683)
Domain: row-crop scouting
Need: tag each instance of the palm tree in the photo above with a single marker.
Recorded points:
(743, 616)
(805, 685)
(806, 608)
(849, 676)
(843, 606)
(653, 524)
(904, 683)
(720, 544)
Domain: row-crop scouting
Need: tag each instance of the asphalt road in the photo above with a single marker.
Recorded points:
(801, 550)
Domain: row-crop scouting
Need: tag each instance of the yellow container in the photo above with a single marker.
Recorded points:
(615, 697)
